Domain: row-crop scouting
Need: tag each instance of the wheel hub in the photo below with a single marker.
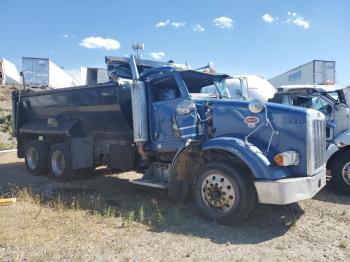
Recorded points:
(346, 173)
(58, 163)
(32, 158)
(218, 192)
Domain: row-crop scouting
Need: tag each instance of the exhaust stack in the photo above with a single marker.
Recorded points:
(139, 110)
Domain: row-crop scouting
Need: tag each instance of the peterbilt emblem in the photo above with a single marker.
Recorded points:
(251, 121)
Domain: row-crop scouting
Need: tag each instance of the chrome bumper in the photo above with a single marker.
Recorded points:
(290, 190)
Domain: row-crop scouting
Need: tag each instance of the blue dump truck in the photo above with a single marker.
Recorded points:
(155, 119)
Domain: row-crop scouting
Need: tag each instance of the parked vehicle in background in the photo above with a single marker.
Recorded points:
(246, 87)
(331, 101)
(8, 73)
(315, 72)
(154, 118)
(43, 73)
(93, 75)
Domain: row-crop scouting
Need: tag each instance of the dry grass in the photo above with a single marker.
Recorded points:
(131, 213)
(106, 219)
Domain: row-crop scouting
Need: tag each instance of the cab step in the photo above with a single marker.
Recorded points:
(150, 183)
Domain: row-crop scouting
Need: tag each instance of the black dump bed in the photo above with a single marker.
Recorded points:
(102, 112)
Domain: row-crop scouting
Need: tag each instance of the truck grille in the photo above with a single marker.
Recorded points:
(319, 142)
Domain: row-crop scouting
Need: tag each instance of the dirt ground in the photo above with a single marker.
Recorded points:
(104, 218)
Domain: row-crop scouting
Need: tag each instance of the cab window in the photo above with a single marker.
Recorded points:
(316, 103)
(165, 89)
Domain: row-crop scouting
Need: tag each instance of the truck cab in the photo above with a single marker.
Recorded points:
(331, 101)
(247, 87)
(154, 118)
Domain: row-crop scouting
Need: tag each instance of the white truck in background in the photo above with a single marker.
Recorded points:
(249, 87)
(93, 75)
(329, 99)
(8, 73)
(314, 72)
(246, 87)
(313, 87)
(332, 102)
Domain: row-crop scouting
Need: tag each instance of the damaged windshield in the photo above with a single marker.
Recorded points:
(337, 97)
(320, 101)
(205, 85)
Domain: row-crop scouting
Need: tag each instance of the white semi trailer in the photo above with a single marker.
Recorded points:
(93, 76)
(314, 72)
(43, 73)
(8, 72)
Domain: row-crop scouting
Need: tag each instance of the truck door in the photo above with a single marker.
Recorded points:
(165, 95)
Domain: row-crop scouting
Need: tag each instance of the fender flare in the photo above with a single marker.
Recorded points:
(343, 138)
(248, 153)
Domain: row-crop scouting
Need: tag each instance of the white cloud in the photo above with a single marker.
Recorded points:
(198, 28)
(162, 23)
(178, 24)
(157, 55)
(223, 22)
(99, 42)
(268, 18)
(66, 36)
(298, 20)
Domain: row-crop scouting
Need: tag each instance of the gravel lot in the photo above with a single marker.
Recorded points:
(105, 218)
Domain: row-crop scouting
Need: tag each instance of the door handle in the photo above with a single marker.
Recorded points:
(156, 134)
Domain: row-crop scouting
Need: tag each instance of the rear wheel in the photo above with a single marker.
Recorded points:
(223, 193)
(36, 157)
(59, 163)
(340, 169)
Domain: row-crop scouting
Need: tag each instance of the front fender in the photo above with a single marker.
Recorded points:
(252, 156)
(343, 138)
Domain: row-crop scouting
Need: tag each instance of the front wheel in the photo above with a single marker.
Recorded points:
(340, 169)
(223, 193)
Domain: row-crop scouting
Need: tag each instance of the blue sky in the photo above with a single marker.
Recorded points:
(264, 37)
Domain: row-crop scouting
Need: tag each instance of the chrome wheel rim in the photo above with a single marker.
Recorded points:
(218, 192)
(346, 173)
(58, 163)
(32, 158)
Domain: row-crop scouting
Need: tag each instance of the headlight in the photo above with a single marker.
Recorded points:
(288, 158)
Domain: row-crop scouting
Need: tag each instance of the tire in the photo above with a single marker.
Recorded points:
(230, 204)
(340, 169)
(60, 164)
(35, 156)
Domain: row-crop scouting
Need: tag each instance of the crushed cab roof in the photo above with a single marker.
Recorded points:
(316, 88)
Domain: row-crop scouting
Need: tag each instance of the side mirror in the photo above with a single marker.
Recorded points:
(256, 106)
(186, 120)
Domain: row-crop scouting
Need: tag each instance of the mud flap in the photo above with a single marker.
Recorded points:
(81, 152)
(178, 189)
